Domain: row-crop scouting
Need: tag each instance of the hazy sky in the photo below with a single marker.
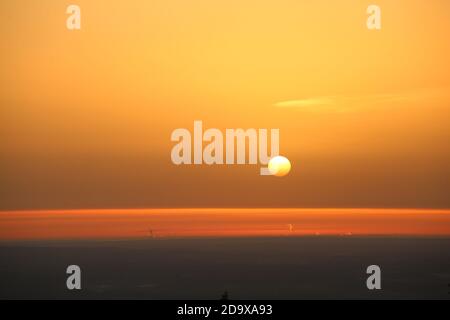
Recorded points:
(86, 116)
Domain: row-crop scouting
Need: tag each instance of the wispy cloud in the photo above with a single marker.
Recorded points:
(346, 103)
(342, 103)
(323, 101)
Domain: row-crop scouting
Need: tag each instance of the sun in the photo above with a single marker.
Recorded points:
(279, 166)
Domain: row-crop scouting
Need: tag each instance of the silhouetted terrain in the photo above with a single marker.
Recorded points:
(246, 268)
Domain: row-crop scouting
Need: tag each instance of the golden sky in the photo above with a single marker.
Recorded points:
(86, 116)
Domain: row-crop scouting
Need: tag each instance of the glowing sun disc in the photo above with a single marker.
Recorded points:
(279, 166)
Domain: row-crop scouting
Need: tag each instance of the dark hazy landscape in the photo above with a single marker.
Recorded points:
(247, 268)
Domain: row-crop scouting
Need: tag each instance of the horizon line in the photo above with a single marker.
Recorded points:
(229, 209)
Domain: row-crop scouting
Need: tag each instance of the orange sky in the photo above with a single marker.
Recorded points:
(86, 116)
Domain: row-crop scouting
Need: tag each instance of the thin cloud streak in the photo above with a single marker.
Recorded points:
(345, 103)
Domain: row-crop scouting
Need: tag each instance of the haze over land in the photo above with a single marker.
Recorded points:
(220, 223)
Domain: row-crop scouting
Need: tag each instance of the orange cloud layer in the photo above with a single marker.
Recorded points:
(168, 223)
